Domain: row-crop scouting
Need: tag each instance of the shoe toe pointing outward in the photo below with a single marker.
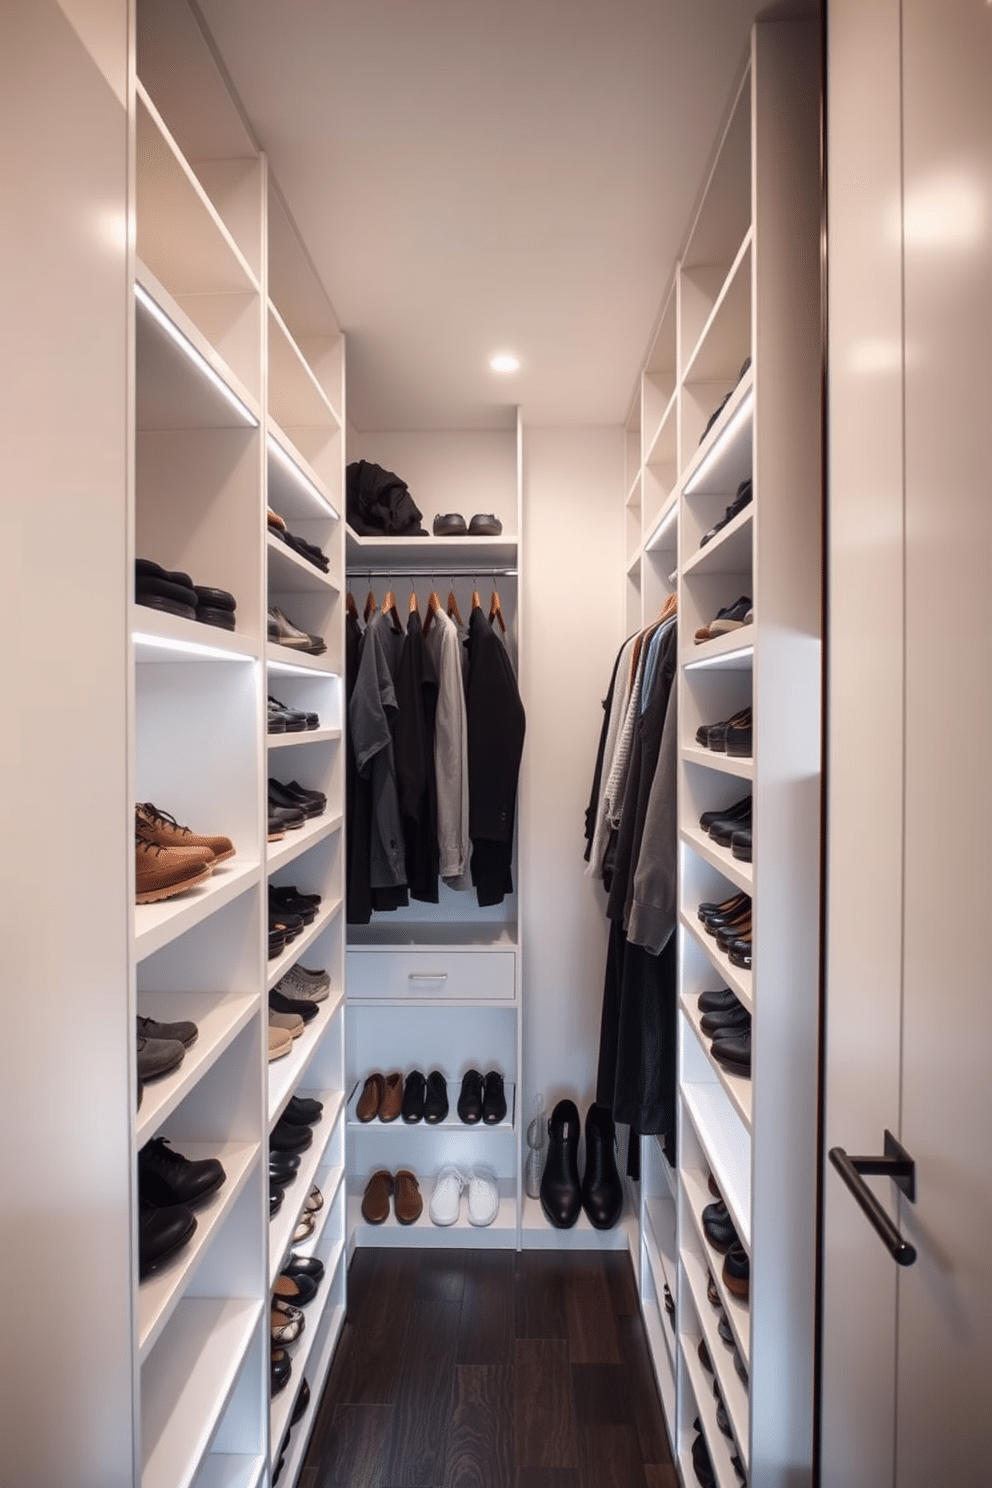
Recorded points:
(446, 1198)
(561, 1194)
(602, 1189)
(375, 1201)
(483, 1196)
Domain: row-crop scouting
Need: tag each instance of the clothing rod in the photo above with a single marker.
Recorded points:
(403, 571)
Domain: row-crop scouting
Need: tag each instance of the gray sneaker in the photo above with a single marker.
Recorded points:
(185, 1031)
(158, 1056)
(302, 988)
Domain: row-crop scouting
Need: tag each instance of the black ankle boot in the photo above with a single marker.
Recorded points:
(602, 1190)
(561, 1196)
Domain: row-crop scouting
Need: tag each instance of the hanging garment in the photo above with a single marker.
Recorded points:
(450, 751)
(593, 808)
(496, 725)
(358, 796)
(636, 1073)
(371, 715)
(621, 693)
(413, 742)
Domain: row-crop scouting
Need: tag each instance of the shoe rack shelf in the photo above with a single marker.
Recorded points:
(239, 407)
(728, 393)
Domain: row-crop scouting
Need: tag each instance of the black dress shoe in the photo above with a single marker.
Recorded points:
(280, 1003)
(731, 1020)
(716, 919)
(716, 1002)
(561, 1192)
(280, 1370)
(733, 930)
(722, 830)
(470, 1098)
(435, 1098)
(738, 738)
(733, 1051)
(166, 1177)
(300, 1404)
(283, 1166)
(739, 953)
(602, 1189)
(308, 1266)
(740, 844)
(731, 906)
(291, 900)
(161, 1233)
(275, 1199)
(285, 818)
(280, 795)
(701, 1464)
(414, 1091)
(286, 1138)
(740, 811)
(718, 1227)
(493, 1099)
(303, 1110)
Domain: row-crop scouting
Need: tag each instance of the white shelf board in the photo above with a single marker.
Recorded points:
(284, 661)
(663, 1365)
(664, 530)
(158, 637)
(438, 554)
(172, 390)
(160, 1293)
(728, 1151)
(296, 397)
(226, 1470)
(733, 651)
(730, 552)
(500, 1235)
(155, 925)
(660, 1215)
(738, 1313)
(661, 450)
(450, 1123)
(219, 1016)
(724, 457)
(737, 978)
(280, 1407)
(288, 848)
(721, 858)
(536, 1233)
(295, 490)
(285, 1074)
(433, 935)
(176, 217)
(728, 325)
(305, 736)
(731, 1386)
(187, 1383)
(738, 1087)
(279, 965)
(660, 1280)
(289, 573)
(727, 764)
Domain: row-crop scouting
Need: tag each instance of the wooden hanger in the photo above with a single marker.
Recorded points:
(350, 606)
(496, 612)
(453, 613)
(433, 608)
(414, 608)
(669, 608)
(389, 608)
(476, 601)
(371, 605)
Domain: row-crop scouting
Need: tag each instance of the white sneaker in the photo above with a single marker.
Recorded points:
(483, 1196)
(447, 1196)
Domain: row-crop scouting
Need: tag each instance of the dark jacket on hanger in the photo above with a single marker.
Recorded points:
(358, 797)
(495, 747)
(372, 716)
(413, 739)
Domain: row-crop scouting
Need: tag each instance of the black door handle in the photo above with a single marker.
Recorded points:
(897, 1165)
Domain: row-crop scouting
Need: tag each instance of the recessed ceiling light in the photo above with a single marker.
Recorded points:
(504, 362)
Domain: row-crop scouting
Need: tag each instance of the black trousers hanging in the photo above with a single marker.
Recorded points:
(636, 1077)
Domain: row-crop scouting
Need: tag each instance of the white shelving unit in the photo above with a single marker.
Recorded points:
(729, 391)
(438, 986)
(239, 406)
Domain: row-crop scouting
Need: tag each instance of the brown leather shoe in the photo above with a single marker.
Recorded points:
(375, 1201)
(371, 1098)
(392, 1097)
(409, 1204)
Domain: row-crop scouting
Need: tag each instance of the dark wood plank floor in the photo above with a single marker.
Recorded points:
(490, 1369)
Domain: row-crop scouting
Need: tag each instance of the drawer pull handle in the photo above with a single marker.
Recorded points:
(427, 976)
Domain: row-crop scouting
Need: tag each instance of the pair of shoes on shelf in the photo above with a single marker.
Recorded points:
(733, 617)
(291, 807)
(174, 593)
(161, 1047)
(742, 499)
(483, 1195)
(730, 923)
(452, 524)
(600, 1192)
(286, 1322)
(419, 1098)
(285, 720)
(482, 1098)
(302, 984)
(283, 632)
(289, 1137)
(403, 1189)
(308, 550)
(170, 1187)
(286, 898)
(169, 858)
(295, 1284)
(730, 826)
(727, 1022)
(718, 1227)
(733, 736)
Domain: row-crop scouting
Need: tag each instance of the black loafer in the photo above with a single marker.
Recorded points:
(283, 1166)
(716, 1002)
(308, 1266)
(493, 1099)
(414, 1093)
(470, 1098)
(161, 1233)
(450, 524)
(485, 524)
(740, 844)
(279, 1370)
(280, 1003)
(435, 1098)
(733, 1051)
(286, 1138)
(731, 1020)
(303, 1110)
(166, 1177)
(740, 811)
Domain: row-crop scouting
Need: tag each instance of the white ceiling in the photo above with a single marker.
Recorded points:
(472, 176)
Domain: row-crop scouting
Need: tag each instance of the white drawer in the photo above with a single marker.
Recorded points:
(408, 973)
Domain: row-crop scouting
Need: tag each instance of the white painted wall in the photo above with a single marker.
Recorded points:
(571, 627)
